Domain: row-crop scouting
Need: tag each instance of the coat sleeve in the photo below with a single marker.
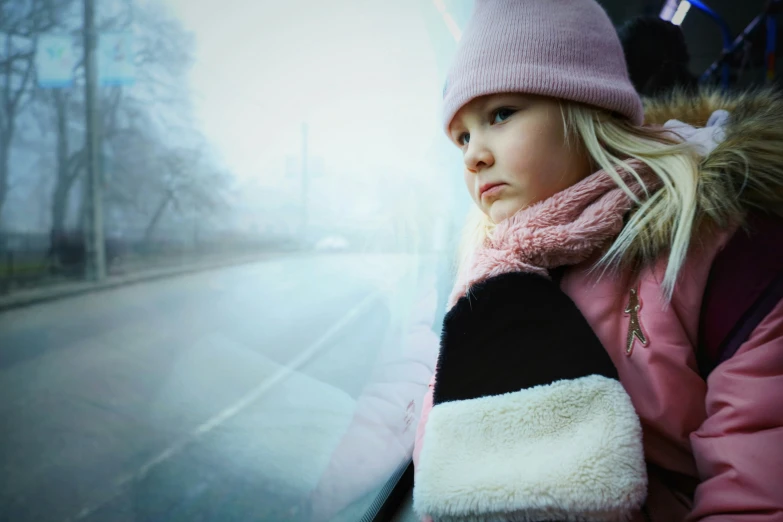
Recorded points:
(381, 435)
(419, 441)
(739, 447)
(425, 413)
(513, 431)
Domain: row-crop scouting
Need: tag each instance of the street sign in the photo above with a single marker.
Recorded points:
(116, 57)
(54, 61)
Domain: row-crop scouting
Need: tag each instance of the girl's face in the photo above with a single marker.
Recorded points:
(515, 152)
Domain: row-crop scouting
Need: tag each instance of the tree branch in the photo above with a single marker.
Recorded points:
(11, 58)
(74, 165)
(110, 126)
(14, 102)
(7, 67)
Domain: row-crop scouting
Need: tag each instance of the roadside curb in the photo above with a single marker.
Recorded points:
(64, 290)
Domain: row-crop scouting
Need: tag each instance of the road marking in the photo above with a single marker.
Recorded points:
(232, 410)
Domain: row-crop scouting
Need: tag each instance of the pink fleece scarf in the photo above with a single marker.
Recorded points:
(563, 230)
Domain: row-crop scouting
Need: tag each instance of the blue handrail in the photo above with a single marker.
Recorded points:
(772, 42)
(725, 34)
(768, 16)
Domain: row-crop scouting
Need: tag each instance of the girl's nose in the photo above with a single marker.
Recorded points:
(478, 156)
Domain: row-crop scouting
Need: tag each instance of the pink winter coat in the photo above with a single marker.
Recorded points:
(723, 437)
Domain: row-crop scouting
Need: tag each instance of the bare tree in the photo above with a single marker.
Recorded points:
(22, 23)
(69, 164)
(161, 167)
(185, 182)
(163, 55)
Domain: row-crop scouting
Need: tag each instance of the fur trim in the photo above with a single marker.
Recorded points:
(743, 173)
(568, 451)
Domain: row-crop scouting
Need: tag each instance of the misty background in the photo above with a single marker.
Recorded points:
(289, 124)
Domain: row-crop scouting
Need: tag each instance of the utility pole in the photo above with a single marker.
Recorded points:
(94, 243)
(305, 180)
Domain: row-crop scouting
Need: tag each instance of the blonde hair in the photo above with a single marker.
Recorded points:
(610, 142)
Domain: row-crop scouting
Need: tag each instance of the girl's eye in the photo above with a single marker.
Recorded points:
(502, 115)
(464, 138)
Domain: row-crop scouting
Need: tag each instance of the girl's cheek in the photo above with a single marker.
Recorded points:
(469, 186)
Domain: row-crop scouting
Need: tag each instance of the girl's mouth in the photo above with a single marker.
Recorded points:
(491, 189)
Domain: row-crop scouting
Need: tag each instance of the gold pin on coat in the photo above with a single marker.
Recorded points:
(634, 326)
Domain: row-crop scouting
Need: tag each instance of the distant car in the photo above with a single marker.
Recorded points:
(332, 244)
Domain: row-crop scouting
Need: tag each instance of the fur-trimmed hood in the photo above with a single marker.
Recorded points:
(745, 171)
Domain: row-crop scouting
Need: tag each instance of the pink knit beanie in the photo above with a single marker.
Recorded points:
(565, 49)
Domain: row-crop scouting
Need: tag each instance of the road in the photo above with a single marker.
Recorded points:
(217, 396)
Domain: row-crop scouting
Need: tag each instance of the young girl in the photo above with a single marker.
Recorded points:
(567, 385)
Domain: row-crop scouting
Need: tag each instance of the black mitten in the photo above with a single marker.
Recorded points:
(529, 420)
